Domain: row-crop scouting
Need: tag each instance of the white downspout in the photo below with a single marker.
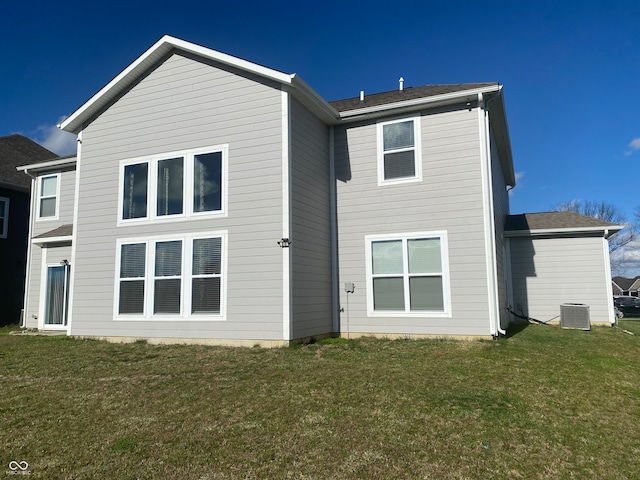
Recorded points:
(335, 302)
(489, 220)
(27, 277)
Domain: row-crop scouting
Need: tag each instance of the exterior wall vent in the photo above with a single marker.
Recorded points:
(575, 315)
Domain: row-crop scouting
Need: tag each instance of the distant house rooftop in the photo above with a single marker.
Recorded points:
(16, 150)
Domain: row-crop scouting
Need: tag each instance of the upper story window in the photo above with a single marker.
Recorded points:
(176, 185)
(4, 216)
(399, 157)
(407, 275)
(48, 195)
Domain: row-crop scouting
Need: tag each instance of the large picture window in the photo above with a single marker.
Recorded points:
(173, 185)
(399, 151)
(171, 278)
(48, 193)
(408, 274)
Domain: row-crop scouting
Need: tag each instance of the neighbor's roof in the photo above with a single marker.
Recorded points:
(16, 150)
(624, 283)
(408, 93)
(556, 222)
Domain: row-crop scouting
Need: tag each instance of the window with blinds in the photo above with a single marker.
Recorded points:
(132, 278)
(177, 277)
(398, 151)
(407, 274)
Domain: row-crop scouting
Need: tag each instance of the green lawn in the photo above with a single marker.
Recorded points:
(542, 403)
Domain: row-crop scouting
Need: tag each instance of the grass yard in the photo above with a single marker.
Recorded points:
(542, 403)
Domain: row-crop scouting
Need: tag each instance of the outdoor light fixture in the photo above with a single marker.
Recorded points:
(64, 263)
(284, 243)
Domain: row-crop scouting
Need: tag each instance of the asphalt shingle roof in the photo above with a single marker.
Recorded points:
(409, 93)
(16, 150)
(553, 220)
(61, 231)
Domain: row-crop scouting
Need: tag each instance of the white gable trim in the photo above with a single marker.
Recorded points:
(77, 120)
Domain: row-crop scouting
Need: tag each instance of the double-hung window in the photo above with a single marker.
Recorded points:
(175, 277)
(173, 185)
(407, 274)
(4, 216)
(48, 194)
(399, 156)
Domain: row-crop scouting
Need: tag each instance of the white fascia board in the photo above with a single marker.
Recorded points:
(62, 162)
(314, 101)
(418, 102)
(75, 122)
(45, 240)
(563, 231)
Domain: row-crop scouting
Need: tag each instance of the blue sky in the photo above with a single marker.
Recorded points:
(570, 69)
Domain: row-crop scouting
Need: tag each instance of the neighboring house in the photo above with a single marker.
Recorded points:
(558, 258)
(626, 286)
(214, 200)
(14, 220)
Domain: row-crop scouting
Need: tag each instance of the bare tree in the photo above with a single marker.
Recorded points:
(608, 213)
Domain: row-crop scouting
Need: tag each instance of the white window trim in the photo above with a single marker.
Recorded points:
(5, 229)
(39, 197)
(187, 187)
(417, 147)
(446, 287)
(186, 277)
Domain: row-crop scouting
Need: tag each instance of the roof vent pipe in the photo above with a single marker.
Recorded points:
(361, 95)
(401, 83)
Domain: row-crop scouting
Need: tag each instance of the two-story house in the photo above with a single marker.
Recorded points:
(214, 200)
(15, 196)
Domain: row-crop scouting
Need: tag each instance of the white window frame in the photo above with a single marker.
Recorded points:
(40, 197)
(187, 186)
(186, 278)
(405, 237)
(5, 230)
(417, 148)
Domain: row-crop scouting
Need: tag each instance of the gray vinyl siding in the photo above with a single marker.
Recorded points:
(449, 198)
(311, 224)
(186, 104)
(500, 212)
(66, 204)
(547, 272)
(38, 227)
(32, 287)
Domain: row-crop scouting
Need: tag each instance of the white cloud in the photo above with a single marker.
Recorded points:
(633, 146)
(56, 140)
(625, 261)
(519, 176)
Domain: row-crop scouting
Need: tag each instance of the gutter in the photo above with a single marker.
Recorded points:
(606, 231)
(50, 165)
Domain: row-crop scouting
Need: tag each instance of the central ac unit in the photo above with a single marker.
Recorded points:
(575, 315)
